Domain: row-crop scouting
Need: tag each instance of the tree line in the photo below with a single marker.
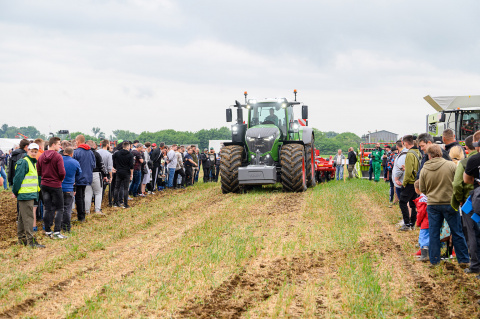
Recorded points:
(327, 142)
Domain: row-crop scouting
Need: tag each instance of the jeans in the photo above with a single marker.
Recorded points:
(121, 188)
(80, 201)
(370, 171)
(4, 175)
(67, 210)
(206, 174)
(339, 172)
(137, 179)
(171, 174)
(94, 190)
(407, 196)
(436, 214)
(53, 201)
(424, 238)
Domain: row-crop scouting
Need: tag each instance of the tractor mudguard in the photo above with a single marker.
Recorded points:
(307, 134)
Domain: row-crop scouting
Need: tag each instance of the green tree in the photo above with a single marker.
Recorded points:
(95, 131)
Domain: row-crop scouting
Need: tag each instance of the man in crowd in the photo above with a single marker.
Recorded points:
(448, 138)
(412, 164)
(195, 160)
(398, 170)
(338, 161)
(179, 170)
(25, 187)
(352, 160)
(87, 163)
(15, 156)
(137, 169)
(3, 174)
(171, 164)
(424, 141)
(108, 162)
(189, 164)
(51, 169)
(72, 172)
(123, 164)
(99, 175)
(377, 155)
(41, 144)
(436, 183)
(461, 192)
(156, 158)
(217, 166)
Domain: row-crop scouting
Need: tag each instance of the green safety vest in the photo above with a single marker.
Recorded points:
(30, 182)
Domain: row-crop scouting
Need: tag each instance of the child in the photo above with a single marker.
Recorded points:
(422, 222)
(25, 189)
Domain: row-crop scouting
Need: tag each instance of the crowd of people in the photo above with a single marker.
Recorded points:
(51, 179)
(431, 181)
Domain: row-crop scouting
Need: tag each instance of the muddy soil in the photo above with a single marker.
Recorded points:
(8, 216)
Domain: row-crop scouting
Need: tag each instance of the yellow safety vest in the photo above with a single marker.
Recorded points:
(30, 182)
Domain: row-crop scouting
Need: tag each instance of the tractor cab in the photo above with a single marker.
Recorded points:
(270, 113)
(458, 113)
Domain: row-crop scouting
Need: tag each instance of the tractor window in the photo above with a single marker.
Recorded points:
(470, 123)
(268, 113)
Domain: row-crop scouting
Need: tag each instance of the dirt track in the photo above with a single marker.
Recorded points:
(201, 254)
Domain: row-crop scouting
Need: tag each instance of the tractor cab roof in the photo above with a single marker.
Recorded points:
(451, 103)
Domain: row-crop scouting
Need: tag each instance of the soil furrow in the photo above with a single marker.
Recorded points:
(113, 263)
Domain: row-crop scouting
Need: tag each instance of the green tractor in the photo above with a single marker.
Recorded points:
(270, 147)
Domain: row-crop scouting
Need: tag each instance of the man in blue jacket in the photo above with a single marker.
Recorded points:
(87, 163)
(72, 172)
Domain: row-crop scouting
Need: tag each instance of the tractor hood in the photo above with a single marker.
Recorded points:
(262, 138)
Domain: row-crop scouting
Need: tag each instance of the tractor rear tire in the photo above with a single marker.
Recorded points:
(230, 161)
(292, 160)
(310, 164)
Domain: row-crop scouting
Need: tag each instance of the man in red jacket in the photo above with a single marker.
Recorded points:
(52, 171)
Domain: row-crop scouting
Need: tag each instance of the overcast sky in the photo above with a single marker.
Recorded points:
(144, 65)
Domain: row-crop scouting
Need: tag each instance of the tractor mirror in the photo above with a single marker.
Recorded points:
(229, 115)
(442, 117)
(305, 112)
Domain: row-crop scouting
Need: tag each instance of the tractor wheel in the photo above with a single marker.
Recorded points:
(292, 160)
(310, 163)
(230, 161)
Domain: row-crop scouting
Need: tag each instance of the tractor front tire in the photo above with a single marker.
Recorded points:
(310, 163)
(292, 160)
(230, 161)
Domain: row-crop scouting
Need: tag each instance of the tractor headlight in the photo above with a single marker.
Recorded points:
(234, 128)
(284, 105)
(269, 138)
(250, 139)
(296, 126)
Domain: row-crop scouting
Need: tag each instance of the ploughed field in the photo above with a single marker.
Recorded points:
(332, 251)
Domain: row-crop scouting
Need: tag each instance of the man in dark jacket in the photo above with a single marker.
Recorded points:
(87, 163)
(52, 172)
(424, 141)
(156, 158)
(123, 165)
(16, 155)
(352, 160)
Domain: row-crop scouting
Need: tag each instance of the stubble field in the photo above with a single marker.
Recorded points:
(332, 252)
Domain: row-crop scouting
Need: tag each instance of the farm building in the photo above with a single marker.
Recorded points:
(380, 136)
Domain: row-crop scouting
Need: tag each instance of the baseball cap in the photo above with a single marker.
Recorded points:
(205, 149)
(33, 146)
(120, 141)
(211, 148)
(154, 144)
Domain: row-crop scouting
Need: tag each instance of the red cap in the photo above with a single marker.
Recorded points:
(154, 144)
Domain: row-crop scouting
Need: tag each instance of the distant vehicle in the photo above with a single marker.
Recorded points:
(458, 113)
(324, 168)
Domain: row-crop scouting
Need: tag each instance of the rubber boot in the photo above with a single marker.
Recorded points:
(424, 257)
